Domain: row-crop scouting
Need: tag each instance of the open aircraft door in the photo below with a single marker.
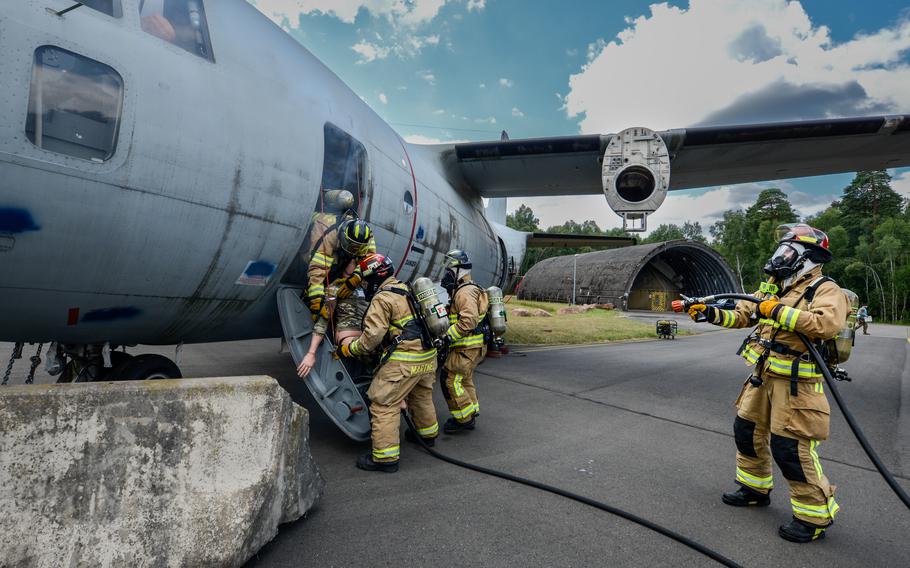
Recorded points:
(329, 381)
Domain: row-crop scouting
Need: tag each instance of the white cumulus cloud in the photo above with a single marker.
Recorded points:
(401, 20)
(507, 83)
(369, 51)
(900, 182)
(383, 99)
(427, 76)
(724, 61)
(516, 112)
(476, 5)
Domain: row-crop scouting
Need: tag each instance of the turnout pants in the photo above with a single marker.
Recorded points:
(772, 423)
(397, 381)
(458, 382)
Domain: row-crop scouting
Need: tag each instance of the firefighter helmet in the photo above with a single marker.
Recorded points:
(457, 258)
(354, 237)
(797, 243)
(375, 268)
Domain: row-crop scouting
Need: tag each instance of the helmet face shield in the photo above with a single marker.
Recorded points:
(786, 260)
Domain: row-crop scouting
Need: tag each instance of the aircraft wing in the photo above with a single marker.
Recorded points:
(698, 157)
(635, 168)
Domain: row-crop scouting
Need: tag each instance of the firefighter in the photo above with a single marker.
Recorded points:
(782, 409)
(407, 367)
(467, 341)
(333, 254)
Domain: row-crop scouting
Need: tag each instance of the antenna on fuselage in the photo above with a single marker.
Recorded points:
(60, 13)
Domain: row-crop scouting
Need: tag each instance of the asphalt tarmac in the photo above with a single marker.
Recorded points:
(645, 426)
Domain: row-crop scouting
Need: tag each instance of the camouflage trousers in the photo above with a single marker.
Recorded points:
(348, 314)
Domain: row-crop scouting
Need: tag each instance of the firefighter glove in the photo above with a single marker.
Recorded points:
(766, 308)
(343, 350)
(316, 303)
(697, 310)
(346, 290)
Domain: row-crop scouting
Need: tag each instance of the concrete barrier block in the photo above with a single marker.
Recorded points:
(192, 472)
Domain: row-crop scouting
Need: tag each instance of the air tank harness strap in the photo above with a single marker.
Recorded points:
(409, 326)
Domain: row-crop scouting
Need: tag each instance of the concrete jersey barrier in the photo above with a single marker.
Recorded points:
(192, 472)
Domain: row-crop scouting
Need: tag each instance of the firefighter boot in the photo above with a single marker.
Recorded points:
(801, 531)
(410, 437)
(365, 461)
(744, 497)
(452, 426)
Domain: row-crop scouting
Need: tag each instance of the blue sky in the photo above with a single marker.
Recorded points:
(443, 70)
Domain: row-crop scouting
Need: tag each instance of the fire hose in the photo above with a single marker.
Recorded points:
(721, 559)
(686, 303)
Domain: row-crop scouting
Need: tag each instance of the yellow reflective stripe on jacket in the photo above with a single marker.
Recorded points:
(429, 431)
(453, 318)
(402, 321)
(469, 341)
(771, 322)
(411, 357)
(827, 511)
(453, 334)
(316, 290)
(787, 317)
(750, 355)
(727, 318)
(754, 481)
(322, 260)
(390, 452)
(784, 367)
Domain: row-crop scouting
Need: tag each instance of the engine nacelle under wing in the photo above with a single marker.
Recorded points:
(636, 175)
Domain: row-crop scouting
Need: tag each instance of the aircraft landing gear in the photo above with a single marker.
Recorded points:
(86, 363)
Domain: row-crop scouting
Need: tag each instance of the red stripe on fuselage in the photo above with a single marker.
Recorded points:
(414, 224)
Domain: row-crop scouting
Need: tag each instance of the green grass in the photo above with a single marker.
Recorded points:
(591, 327)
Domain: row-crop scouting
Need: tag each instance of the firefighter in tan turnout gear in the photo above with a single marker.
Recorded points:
(782, 409)
(466, 341)
(407, 367)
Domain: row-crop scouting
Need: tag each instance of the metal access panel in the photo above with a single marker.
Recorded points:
(329, 381)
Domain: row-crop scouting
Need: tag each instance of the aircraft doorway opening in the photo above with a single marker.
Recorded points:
(343, 193)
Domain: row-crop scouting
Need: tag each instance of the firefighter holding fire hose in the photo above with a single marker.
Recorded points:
(782, 409)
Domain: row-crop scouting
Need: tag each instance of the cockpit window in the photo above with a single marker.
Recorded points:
(181, 22)
(74, 105)
(109, 7)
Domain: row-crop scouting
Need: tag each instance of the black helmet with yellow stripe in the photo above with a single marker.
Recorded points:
(354, 237)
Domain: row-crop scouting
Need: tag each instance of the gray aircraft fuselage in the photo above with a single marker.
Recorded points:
(216, 172)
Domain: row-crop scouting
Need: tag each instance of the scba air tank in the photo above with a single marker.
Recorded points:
(433, 311)
(845, 337)
(497, 311)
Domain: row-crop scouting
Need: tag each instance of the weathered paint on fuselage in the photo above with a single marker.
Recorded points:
(217, 165)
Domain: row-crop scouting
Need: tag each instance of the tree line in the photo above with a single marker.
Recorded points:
(868, 228)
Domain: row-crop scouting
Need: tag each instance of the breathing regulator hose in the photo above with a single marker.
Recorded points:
(575, 497)
(686, 303)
